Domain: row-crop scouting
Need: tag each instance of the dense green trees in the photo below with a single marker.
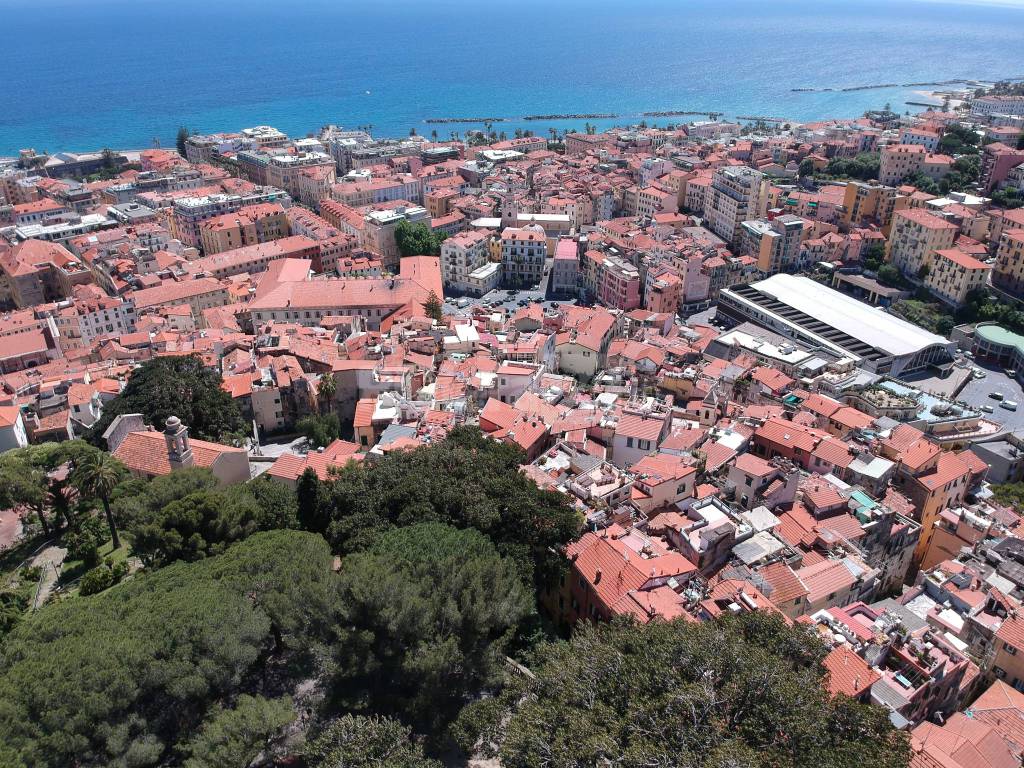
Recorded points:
(394, 654)
(1011, 494)
(958, 140)
(741, 692)
(120, 678)
(28, 479)
(864, 166)
(1008, 198)
(320, 430)
(366, 742)
(467, 481)
(185, 517)
(233, 737)
(425, 618)
(24, 482)
(873, 256)
(982, 306)
(889, 275)
(417, 239)
(179, 386)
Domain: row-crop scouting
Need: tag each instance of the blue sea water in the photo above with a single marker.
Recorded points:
(83, 74)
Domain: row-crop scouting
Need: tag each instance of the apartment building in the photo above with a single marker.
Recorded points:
(249, 225)
(188, 213)
(285, 171)
(565, 269)
(198, 292)
(523, 255)
(37, 271)
(255, 258)
(619, 283)
(775, 244)
(954, 274)
(461, 256)
(1008, 273)
(735, 196)
(916, 235)
(898, 161)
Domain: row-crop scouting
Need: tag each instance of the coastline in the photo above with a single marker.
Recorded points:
(541, 123)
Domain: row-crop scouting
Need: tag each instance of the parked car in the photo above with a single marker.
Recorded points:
(1011, 373)
(987, 409)
(977, 373)
(1009, 405)
(996, 395)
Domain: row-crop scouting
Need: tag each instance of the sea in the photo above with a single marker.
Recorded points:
(85, 74)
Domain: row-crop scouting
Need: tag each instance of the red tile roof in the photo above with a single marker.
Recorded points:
(146, 452)
(848, 673)
(785, 584)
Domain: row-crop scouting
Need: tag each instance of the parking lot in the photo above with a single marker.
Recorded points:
(977, 394)
(501, 300)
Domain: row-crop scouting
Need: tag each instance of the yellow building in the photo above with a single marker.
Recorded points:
(916, 235)
(865, 203)
(250, 225)
(954, 274)
(1009, 269)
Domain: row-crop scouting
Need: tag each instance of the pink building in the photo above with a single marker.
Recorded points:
(619, 284)
(664, 290)
(565, 270)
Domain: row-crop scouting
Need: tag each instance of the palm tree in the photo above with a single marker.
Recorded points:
(96, 475)
(325, 390)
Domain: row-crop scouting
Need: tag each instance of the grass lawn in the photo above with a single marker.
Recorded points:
(73, 569)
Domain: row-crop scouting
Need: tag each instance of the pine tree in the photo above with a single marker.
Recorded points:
(432, 306)
(183, 134)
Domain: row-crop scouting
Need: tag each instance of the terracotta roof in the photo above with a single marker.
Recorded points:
(785, 585)
(787, 433)
(962, 742)
(754, 465)
(146, 452)
(848, 673)
(9, 415)
(639, 427)
(290, 466)
(822, 579)
(1001, 707)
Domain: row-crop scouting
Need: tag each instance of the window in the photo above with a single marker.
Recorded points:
(1010, 649)
(749, 481)
(629, 442)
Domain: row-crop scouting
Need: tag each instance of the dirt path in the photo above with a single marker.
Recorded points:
(50, 560)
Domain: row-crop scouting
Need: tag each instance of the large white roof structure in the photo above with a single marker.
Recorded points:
(814, 314)
(863, 322)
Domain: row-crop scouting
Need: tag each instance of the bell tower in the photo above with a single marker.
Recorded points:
(179, 452)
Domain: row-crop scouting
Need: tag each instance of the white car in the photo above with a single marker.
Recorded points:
(987, 409)
(1009, 405)
(1011, 373)
(977, 373)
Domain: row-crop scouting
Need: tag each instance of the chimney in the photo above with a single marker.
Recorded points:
(179, 452)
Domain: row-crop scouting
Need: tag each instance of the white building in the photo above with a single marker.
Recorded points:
(12, 429)
(463, 255)
(837, 324)
(735, 196)
(523, 254)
